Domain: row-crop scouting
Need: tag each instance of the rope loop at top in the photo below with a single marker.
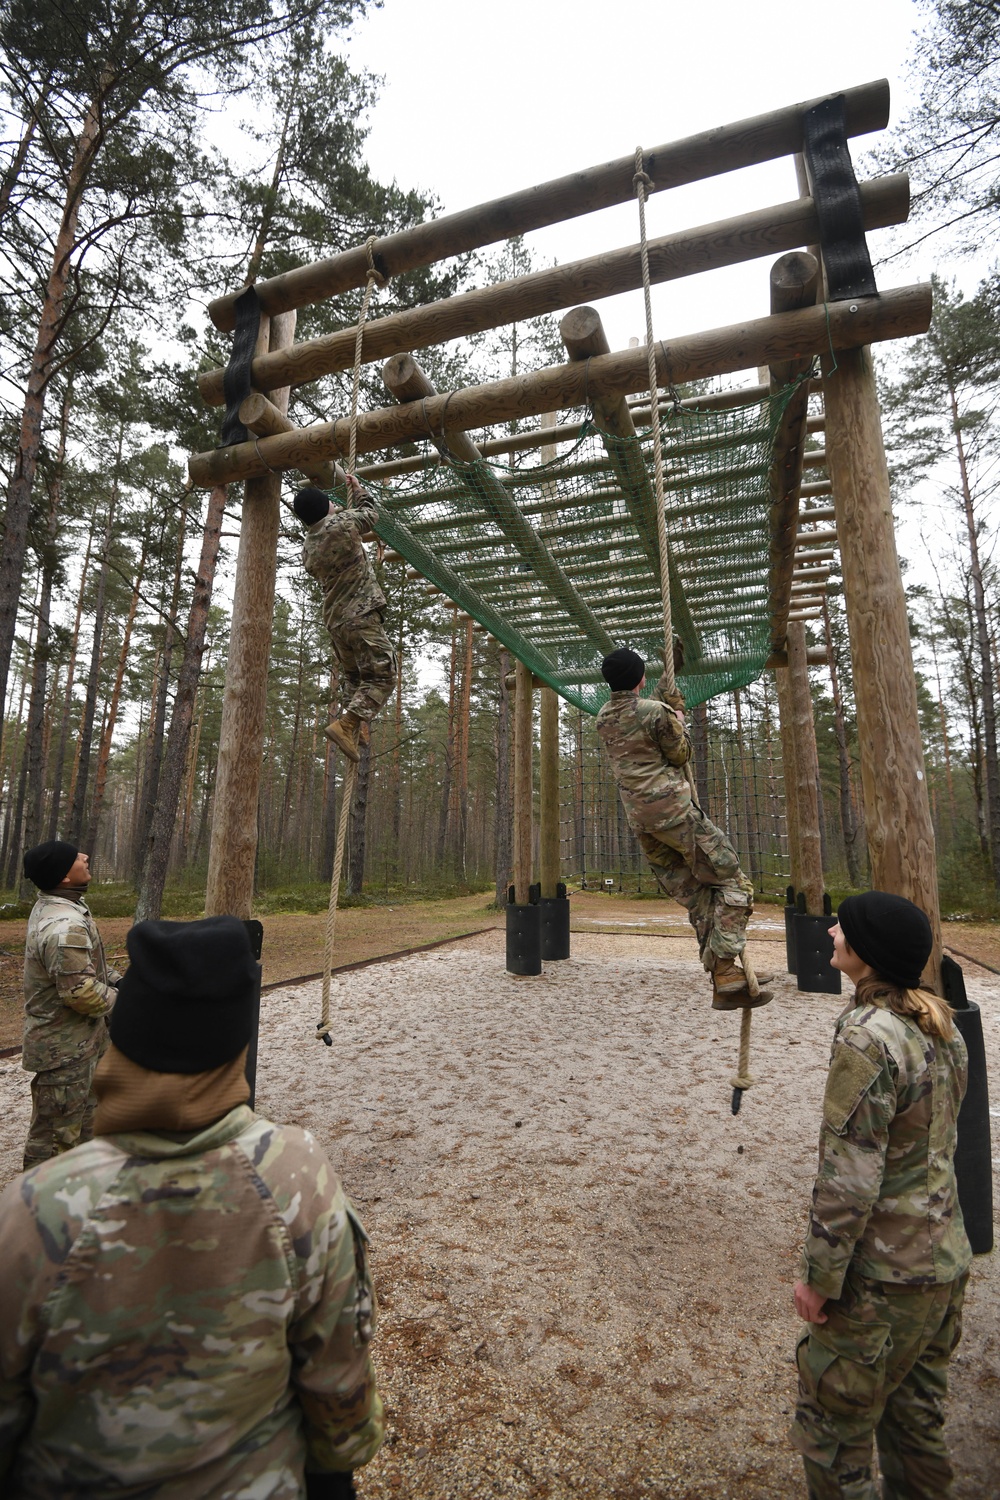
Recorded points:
(374, 274)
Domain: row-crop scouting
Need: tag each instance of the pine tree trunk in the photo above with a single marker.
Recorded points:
(465, 722)
(983, 647)
(35, 750)
(29, 443)
(85, 741)
(330, 790)
(397, 783)
(57, 779)
(848, 822)
(111, 715)
(357, 825)
(156, 854)
(154, 742)
(503, 827)
(449, 751)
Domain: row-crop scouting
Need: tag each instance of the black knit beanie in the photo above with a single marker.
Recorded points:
(186, 1002)
(311, 505)
(623, 670)
(49, 863)
(889, 933)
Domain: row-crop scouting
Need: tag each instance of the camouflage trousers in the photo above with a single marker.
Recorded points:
(367, 662)
(62, 1110)
(878, 1365)
(695, 863)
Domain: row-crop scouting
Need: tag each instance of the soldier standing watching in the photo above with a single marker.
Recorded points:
(886, 1258)
(68, 991)
(353, 606)
(185, 1309)
(647, 743)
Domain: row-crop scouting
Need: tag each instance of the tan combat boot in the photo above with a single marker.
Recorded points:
(729, 987)
(344, 734)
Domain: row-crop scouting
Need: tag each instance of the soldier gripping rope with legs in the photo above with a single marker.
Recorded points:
(647, 743)
(353, 606)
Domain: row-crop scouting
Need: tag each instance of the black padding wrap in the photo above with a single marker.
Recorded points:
(838, 202)
(236, 376)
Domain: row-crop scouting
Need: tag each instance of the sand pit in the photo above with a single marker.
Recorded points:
(584, 1261)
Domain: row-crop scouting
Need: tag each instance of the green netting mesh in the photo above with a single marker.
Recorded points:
(559, 559)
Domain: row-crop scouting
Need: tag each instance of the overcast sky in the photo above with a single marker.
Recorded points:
(482, 99)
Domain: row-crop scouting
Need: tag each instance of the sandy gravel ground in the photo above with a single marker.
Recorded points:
(584, 1261)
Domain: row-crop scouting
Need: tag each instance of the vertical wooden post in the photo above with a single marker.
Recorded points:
(523, 734)
(233, 848)
(548, 789)
(897, 810)
(803, 733)
(789, 774)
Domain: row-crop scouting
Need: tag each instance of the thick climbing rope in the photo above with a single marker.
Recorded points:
(373, 279)
(641, 181)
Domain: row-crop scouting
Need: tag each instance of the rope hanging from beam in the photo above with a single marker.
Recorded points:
(742, 1080)
(375, 278)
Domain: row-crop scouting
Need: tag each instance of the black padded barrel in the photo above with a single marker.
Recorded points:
(973, 1154)
(555, 926)
(813, 952)
(524, 938)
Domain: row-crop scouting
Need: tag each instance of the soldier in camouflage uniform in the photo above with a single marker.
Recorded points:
(68, 991)
(353, 606)
(647, 743)
(186, 1309)
(886, 1258)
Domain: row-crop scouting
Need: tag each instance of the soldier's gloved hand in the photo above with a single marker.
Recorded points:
(330, 1486)
(676, 701)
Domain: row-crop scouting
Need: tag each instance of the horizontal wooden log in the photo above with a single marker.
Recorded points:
(708, 154)
(814, 538)
(583, 335)
(407, 382)
(261, 417)
(709, 247)
(809, 514)
(900, 313)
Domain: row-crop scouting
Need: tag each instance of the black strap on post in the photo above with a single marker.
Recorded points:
(838, 202)
(236, 376)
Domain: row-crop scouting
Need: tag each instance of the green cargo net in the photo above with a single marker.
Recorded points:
(559, 560)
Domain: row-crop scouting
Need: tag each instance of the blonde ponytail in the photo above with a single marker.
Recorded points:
(931, 1013)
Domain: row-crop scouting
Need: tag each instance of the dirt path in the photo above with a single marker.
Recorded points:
(293, 943)
(584, 1260)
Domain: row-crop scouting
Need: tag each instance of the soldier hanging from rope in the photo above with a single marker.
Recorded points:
(648, 745)
(353, 606)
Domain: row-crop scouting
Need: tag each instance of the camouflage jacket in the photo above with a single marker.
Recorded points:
(68, 987)
(885, 1194)
(183, 1317)
(648, 747)
(334, 554)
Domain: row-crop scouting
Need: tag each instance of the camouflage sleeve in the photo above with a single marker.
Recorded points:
(366, 510)
(332, 1371)
(671, 736)
(75, 974)
(858, 1107)
(30, 1269)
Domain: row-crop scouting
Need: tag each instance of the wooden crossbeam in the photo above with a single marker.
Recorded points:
(745, 143)
(708, 247)
(895, 314)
